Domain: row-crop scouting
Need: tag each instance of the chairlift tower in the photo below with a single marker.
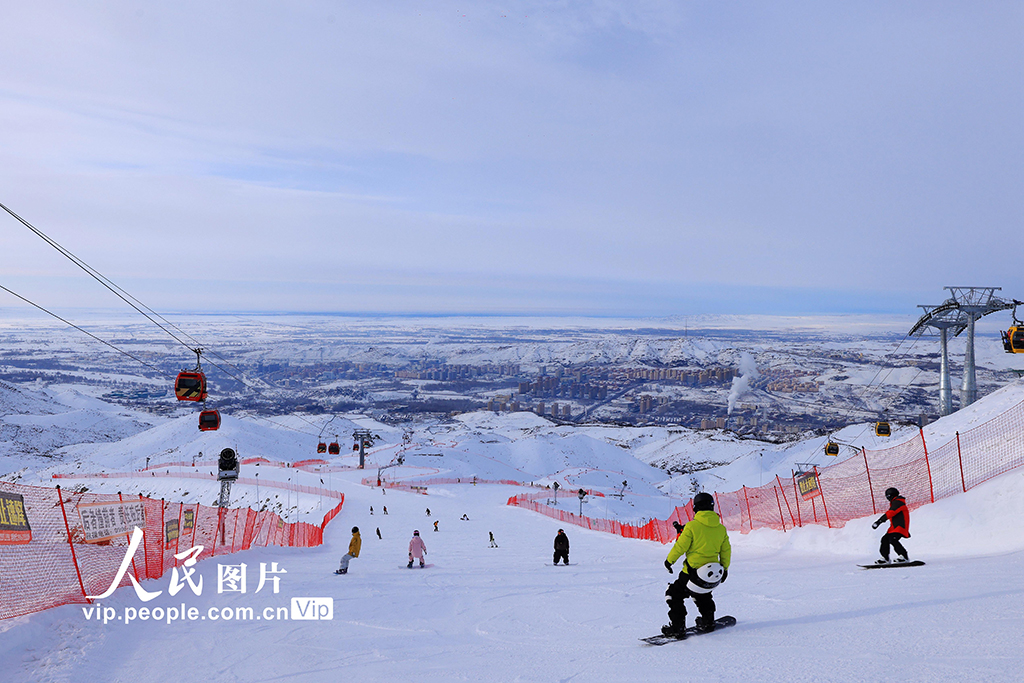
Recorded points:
(959, 312)
(944, 317)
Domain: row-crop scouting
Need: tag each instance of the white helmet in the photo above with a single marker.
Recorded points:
(705, 578)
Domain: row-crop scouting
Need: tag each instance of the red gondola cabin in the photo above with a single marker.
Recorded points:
(209, 421)
(321, 447)
(334, 448)
(190, 386)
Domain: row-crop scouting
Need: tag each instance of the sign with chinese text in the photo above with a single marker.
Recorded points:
(171, 532)
(188, 520)
(14, 528)
(103, 521)
(807, 483)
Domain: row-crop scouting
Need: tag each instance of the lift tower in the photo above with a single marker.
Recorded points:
(959, 312)
(945, 317)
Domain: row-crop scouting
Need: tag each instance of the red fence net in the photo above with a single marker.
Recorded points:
(57, 567)
(850, 489)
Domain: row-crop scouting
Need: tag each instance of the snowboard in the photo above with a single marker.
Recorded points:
(720, 623)
(571, 564)
(915, 563)
(416, 566)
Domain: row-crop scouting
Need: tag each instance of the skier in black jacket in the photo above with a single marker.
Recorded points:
(561, 547)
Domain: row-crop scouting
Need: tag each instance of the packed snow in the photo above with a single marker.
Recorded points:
(805, 610)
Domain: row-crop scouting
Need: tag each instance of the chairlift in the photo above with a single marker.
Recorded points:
(832, 448)
(882, 429)
(334, 448)
(209, 421)
(321, 447)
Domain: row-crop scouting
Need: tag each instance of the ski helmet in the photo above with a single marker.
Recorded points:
(416, 533)
(705, 578)
(891, 493)
(703, 501)
(355, 530)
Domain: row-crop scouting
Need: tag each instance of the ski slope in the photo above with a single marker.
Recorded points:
(805, 611)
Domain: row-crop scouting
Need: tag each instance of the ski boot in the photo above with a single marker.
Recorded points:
(677, 631)
(409, 566)
(422, 564)
(704, 626)
(341, 571)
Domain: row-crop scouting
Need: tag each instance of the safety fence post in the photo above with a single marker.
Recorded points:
(721, 515)
(750, 518)
(871, 490)
(177, 540)
(195, 524)
(128, 538)
(163, 536)
(781, 518)
(788, 509)
(931, 489)
(960, 457)
(74, 558)
(796, 497)
(145, 547)
(821, 492)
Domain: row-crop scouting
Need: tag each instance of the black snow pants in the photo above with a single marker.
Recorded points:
(564, 554)
(677, 592)
(893, 540)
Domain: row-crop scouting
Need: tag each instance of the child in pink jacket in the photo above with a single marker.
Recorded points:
(417, 549)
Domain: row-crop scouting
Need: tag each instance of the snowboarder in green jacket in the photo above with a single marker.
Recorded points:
(705, 544)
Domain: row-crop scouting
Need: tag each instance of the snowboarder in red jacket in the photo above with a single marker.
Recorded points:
(898, 516)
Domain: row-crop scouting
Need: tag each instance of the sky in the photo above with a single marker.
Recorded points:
(567, 158)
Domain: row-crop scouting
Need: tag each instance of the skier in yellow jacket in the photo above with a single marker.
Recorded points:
(353, 551)
(705, 544)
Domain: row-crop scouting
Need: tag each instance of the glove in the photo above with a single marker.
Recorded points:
(668, 566)
(875, 525)
(725, 575)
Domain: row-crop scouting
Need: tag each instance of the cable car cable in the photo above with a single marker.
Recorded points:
(102, 341)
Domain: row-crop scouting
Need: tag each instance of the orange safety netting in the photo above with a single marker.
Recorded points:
(50, 570)
(850, 489)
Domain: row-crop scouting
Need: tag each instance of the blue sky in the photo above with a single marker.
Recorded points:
(591, 158)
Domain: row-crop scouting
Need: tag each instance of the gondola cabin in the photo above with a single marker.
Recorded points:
(1013, 340)
(209, 421)
(882, 429)
(334, 448)
(321, 447)
(190, 386)
(355, 446)
(831, 448)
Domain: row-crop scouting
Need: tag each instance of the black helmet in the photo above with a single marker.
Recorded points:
(703, 501)
(891, 493)
(355, 530)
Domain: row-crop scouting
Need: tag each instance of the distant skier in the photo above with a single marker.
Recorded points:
(561, 547)
(435, 524)
(494, 544)
(705, 544)
(371, 509)
(678, 527)
(378, 534)
(385, 509)
(417, 549)
(898, 516)
(428, 512)
(465, 517)
(353, 551)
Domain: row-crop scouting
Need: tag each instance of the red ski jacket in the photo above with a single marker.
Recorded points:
(899, 517)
